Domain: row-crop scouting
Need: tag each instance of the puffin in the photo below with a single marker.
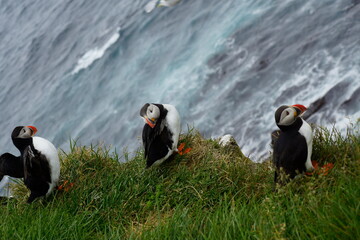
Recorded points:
(293, 146)
(160, 133)
(40, 159)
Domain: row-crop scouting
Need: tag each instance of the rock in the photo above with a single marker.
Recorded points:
(228, 142)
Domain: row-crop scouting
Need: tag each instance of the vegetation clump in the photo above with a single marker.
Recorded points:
(207, 192)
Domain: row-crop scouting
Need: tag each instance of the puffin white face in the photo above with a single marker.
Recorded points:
(287, 115)
(150, 113)
(24, 132)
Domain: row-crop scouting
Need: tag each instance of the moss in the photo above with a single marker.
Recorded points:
(209, 193)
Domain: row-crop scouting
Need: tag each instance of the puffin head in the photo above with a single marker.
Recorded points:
(287, 115)
(22, 136)
(23, 132)
(150, 113)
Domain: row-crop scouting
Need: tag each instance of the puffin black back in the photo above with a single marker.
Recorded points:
(290, 152)
(156, 144)
(37, 173)
(36, 165)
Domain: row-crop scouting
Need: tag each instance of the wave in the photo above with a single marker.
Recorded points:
(94, 54)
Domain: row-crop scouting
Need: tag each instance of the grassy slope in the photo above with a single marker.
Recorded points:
(209, 193)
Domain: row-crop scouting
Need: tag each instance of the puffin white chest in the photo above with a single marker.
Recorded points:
(307, 132)
(173, 123)
(50, 152)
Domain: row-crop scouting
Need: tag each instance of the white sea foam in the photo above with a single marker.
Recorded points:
(94, 54)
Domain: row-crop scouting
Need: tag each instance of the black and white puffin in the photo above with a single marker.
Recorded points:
(293, 146)
(160, 133)
(40, 159)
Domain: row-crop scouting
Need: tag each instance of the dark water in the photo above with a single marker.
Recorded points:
(83, 69)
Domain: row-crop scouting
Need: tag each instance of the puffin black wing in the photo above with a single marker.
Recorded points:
(290, 153)
(147, 139)
(166, 137)
(36, 173)
(156, 143)
(274, 137)
(11, 166)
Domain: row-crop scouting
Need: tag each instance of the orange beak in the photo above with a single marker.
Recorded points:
(301, 107)
(152, 125)
(34, 130)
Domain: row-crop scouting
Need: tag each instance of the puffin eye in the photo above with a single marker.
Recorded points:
(287, 113)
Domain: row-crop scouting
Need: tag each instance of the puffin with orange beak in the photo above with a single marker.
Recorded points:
(40, 160)
(160, 133)
(293, 147)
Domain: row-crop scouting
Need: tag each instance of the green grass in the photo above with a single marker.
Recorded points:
(210, 193)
